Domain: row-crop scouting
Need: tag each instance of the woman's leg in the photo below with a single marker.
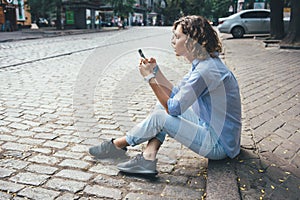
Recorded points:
(154, 142)
(185, 128)
(151, 149)
(195, 135)
(149, 128)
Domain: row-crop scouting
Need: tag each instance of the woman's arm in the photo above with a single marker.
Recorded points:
(160, 85)
(161, 90)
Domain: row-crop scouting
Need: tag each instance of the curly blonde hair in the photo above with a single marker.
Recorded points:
(202, 39)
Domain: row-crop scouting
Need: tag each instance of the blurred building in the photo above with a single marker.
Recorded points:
(13, 13)
(80, 14)
(93, 14)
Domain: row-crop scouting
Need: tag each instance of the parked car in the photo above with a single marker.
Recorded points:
(106, 24)
(42, 22)
(254, 21)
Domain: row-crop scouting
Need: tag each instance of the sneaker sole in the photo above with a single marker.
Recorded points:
(138, 171)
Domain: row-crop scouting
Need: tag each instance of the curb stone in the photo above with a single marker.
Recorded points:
(221, 180)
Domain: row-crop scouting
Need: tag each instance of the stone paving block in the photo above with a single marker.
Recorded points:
(266, 145)
(31, 123)
(146, 188)
(64, 131)
(5, 172)
(13, 119)
(41, 169)
(135, 196)
(165, 168)
(16, 154)
(5, 137)
(67, 196)
(296, 160)
(2, 122)
(42, 150)
(65, 185)
(105, 169)
(30, 141)
(13, 164)
(5, 130)
(80, 148)
(19, 126)
(42, 130)
(110, 181)
(179, 192)
(29, 117)
(22, 133)
(221, 182)
(69, 154)
(30, 178)
(74, 163)
(16, 146)
(10, 186)
(38, 193)
(74, 174)
(48, 136)
(54, 144)
(4, 195)
(108, 126)
(284, 153)
(103, 192)
(69, 139)
(44, 159)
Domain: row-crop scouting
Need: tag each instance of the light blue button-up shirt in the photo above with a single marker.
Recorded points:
(212, 91)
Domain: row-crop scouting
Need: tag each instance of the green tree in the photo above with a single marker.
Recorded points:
(41, 8)
(45, 9)
(122, 7)
(211, 9)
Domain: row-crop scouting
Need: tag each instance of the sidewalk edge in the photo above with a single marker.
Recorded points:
(222, 180)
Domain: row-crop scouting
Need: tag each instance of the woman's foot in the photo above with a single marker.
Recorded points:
(139, 165)
(107, 149)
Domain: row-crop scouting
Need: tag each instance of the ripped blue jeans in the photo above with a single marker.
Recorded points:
(186, 129)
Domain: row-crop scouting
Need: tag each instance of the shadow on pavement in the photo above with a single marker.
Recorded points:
(261, 178)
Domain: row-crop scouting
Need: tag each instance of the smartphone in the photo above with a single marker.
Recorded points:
(141, 53)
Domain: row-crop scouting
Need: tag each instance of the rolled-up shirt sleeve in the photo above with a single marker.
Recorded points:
(187, 92)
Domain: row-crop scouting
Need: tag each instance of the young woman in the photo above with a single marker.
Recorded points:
(203, 112)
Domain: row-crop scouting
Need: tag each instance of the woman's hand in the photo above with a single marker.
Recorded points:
(146, 66)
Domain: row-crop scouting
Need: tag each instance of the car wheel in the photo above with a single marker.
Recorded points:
(237, 32)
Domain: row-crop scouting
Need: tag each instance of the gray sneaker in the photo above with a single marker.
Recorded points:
(138, 165)
(107, 150)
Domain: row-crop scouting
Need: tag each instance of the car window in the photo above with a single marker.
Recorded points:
(263, 14)
(256, 14)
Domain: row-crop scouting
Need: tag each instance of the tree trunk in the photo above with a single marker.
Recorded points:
(293, 36)
(58, 15)
(277, 27)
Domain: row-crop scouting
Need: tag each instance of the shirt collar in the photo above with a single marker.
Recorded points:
(195, 63)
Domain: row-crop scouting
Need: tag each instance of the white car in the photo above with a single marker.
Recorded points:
(253, 21)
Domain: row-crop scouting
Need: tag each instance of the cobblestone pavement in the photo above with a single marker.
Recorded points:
(49, 118)
(59, 97)
(269, 78)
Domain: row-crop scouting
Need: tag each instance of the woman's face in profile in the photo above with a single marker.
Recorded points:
(178, 41)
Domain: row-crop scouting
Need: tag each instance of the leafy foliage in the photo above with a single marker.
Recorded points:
(210, 9)
(41, 8)
(122, 7)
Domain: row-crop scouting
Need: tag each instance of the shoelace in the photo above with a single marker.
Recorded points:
(137, 158)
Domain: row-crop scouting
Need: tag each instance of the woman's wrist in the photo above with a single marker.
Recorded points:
(155, 70)
(149, 77)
